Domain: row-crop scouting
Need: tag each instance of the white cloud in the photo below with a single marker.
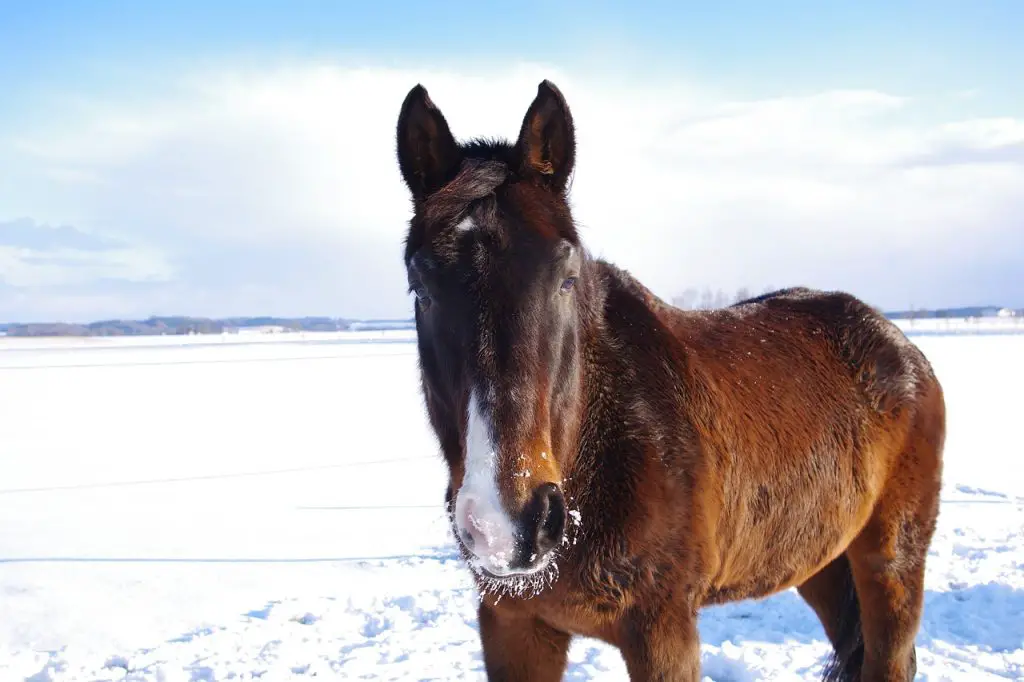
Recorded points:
(283, 181)
(32, 268)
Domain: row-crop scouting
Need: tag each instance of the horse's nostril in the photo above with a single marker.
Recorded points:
(546, 513)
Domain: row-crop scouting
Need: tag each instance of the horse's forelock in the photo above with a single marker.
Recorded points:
(476, 179)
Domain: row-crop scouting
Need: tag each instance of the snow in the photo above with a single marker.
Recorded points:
(270, 508)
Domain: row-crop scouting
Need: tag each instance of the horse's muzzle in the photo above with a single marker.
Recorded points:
(505, 547)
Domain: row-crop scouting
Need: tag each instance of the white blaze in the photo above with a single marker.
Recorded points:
(478, 509)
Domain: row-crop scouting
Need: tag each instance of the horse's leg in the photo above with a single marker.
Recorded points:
(888, 557)
(520, 648)
(665, 648)
(827, 592)
(832, 595)
(888, 564)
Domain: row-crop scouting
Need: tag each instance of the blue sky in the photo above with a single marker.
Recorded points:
(195, 160)
(754, 46)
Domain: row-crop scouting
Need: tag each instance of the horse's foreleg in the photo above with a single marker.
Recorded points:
(663, 648)
(520, 648)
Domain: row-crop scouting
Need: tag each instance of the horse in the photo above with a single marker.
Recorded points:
(616, 464)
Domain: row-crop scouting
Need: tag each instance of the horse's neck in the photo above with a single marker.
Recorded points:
(627, 318)
(603, 350)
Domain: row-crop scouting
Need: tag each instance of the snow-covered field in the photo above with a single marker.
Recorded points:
(218, 508)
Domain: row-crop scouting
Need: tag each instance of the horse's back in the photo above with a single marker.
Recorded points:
(888, 368)
(800, 340)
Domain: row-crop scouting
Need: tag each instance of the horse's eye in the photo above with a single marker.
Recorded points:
(421, 294)
(568, 283)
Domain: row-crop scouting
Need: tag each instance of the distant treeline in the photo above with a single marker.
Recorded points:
(967, 311)
(158, 326)
(707, 298)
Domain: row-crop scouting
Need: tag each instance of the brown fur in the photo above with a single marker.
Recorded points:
(791, 440)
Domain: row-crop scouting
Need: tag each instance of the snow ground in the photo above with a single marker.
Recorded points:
(199, 510)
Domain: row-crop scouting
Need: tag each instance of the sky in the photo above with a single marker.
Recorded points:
(237, 158)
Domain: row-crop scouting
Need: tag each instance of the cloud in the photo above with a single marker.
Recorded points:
(43, 264)
(26, 233)
(275, 190)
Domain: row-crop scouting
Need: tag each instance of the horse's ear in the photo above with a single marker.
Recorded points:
(547, 140)
(428, 155)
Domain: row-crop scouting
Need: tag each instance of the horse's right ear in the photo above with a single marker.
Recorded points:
(547, 139)
(428, 155)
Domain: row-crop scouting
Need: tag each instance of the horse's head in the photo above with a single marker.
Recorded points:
(500, 280)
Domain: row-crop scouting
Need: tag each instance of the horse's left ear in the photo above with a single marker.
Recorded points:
(547, 140)
(428, 155)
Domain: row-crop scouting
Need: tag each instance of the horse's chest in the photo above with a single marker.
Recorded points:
(599, 595)
(584, 619)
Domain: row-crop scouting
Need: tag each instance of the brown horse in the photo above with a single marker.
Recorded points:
(616, 463)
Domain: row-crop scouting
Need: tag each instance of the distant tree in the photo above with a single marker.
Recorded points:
(721, 298)
(742, 294)
(707, 299)
(686, 300)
